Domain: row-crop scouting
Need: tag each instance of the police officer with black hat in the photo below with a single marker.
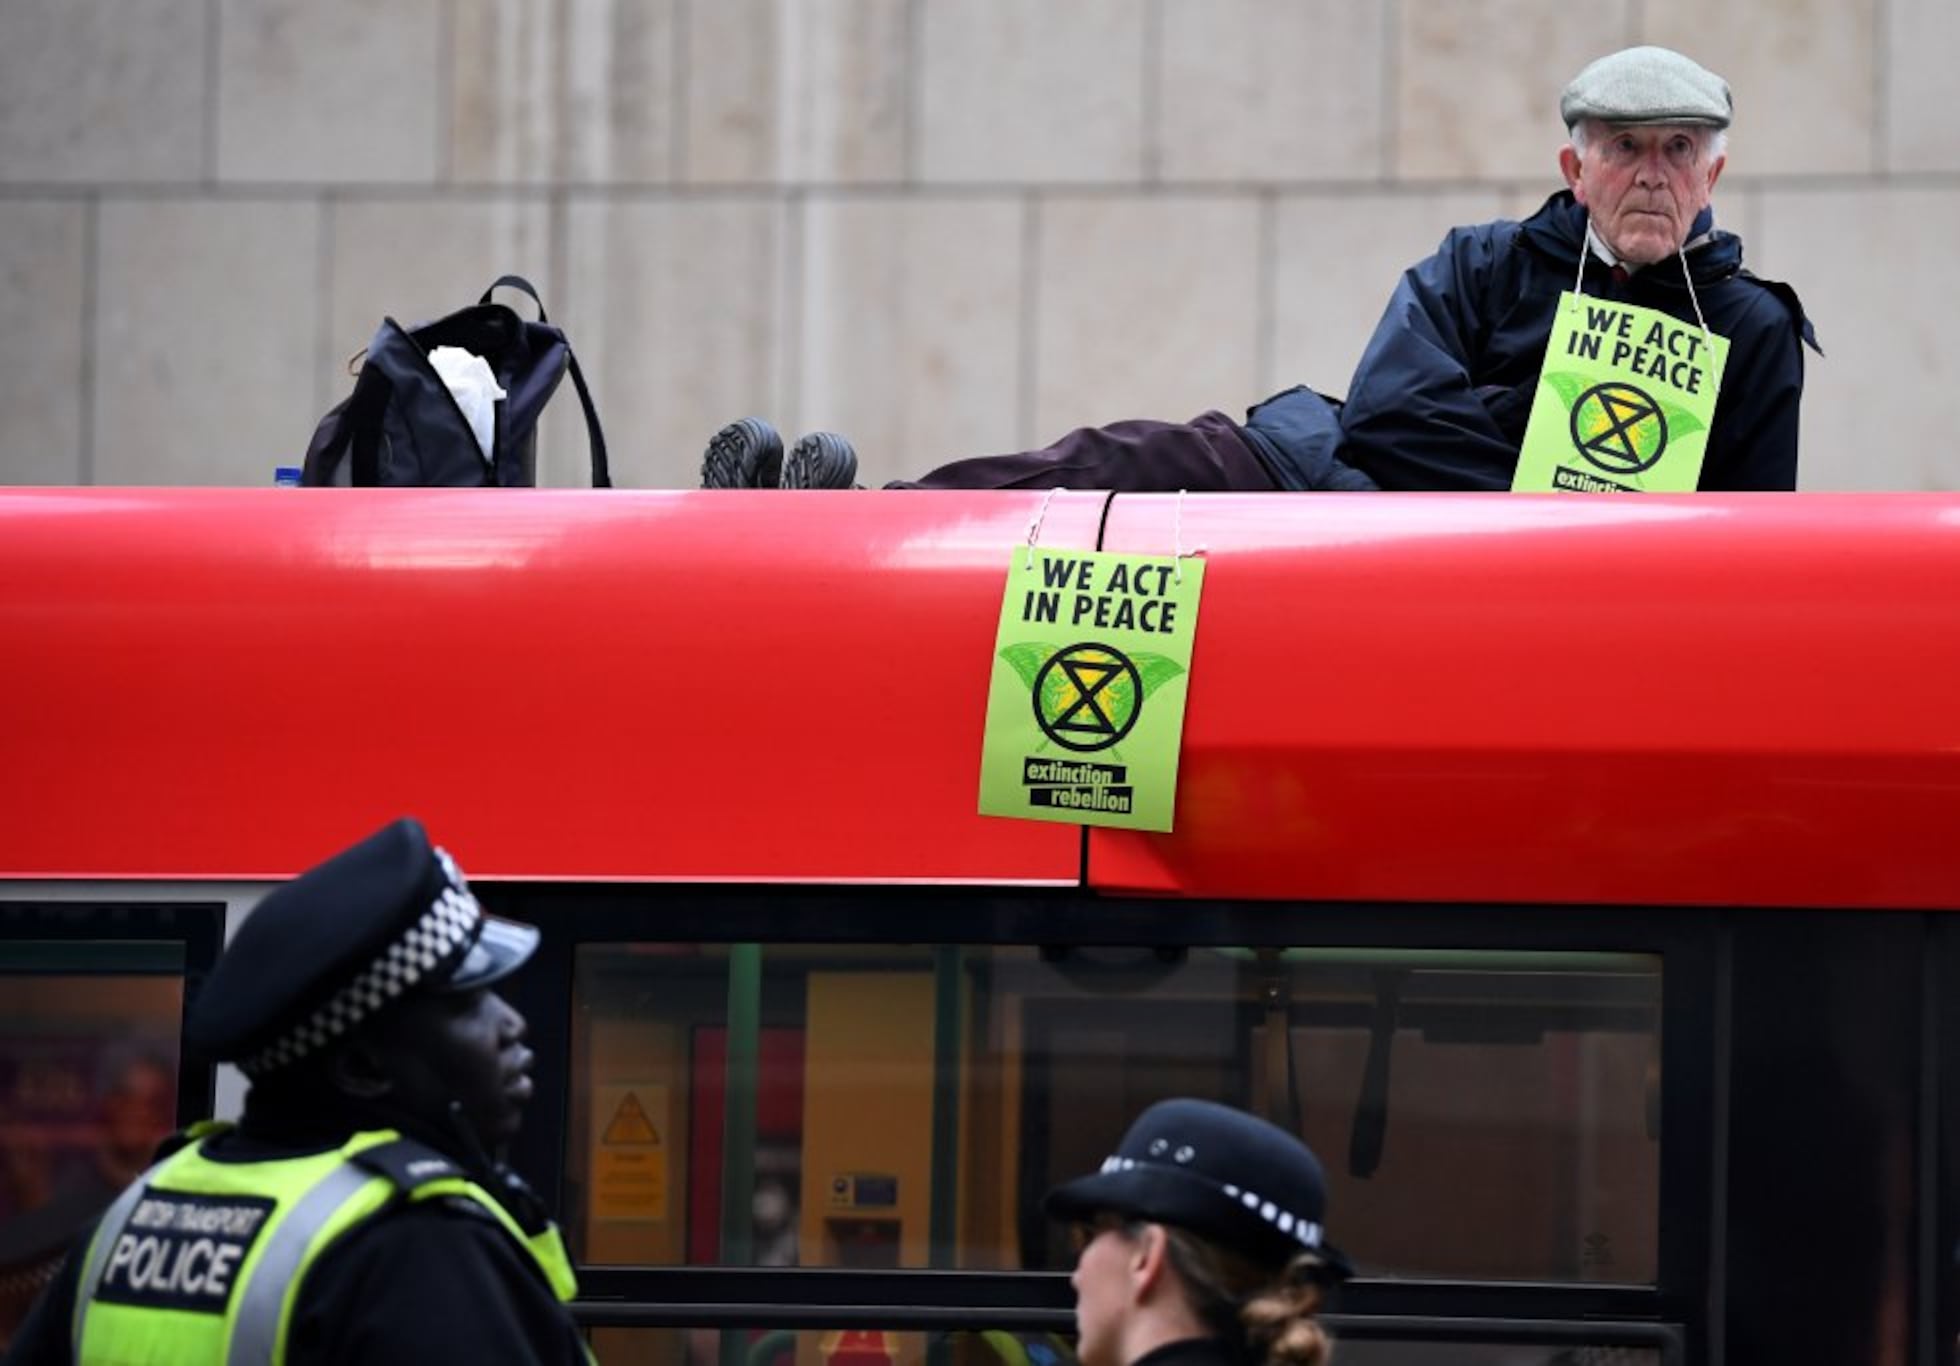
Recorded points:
(1201, 1243)
(358, 1211)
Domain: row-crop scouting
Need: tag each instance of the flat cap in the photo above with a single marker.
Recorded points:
(1221, 1173)
(1647, 85)
(341, 941)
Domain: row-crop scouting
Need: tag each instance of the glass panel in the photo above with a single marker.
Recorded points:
(1354, 1353)
(826, 1347)
(1481, 1114)
(998, 1347)
(88, 1086)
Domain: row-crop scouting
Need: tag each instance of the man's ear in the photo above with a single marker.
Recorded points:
(1715, 172)
(356, 1069)
(1568, 165)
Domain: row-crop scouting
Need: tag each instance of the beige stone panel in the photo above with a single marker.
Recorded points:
(1148, 307)
(205, 329)
(911, 329)
(342, 92)
(847, 89)
(101, 90)
(1522, 200)
(1801, 72)
(417, 259)
(678, 321)
(1878, 407)
(735, 71)
(1480, 83)
(1270, 90)
(1031, 91)
(1338, 260)
(1921, 121)
(42, 254)
(578, 91)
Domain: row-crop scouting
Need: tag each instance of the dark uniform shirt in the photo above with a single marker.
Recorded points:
(1191, 1352)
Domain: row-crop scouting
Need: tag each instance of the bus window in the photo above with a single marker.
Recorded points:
(1428, 1353)
(88, 1086)
(1002, 1347)
(1483, 1114)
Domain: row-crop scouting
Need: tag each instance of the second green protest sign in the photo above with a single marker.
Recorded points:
(1085, 712)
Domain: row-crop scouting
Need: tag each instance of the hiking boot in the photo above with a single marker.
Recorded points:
(821, 460)
(747, 454)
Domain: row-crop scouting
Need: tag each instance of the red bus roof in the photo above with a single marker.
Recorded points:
(1463, 698)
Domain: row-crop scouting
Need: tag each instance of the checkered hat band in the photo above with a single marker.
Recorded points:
(1304, 1231)
(451, 922)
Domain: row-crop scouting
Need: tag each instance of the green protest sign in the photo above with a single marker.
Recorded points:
(1085, 711)
(1624, 403)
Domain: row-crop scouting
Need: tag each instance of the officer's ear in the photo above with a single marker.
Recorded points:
(358, 1069)
(1150, 1261)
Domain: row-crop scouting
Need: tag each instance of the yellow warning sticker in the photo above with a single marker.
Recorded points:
(629, 1152)
(630, 1124)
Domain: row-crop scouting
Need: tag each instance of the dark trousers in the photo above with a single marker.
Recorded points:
(1205, 455)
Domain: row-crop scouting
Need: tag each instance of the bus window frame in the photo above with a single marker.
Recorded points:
(732, 1304)
(1938, 1149)
(1693, 1047)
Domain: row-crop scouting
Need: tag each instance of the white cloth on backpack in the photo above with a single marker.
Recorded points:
(469, 378)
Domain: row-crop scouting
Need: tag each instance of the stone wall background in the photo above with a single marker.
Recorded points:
(945, 227)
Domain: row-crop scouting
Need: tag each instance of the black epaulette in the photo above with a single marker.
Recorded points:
(407, 1163)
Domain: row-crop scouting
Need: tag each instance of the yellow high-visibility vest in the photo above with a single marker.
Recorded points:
(201, 1261)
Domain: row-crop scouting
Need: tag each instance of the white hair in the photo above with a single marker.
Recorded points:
(1714, 141)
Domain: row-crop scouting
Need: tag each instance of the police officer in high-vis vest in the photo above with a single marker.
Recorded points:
(358, 1211)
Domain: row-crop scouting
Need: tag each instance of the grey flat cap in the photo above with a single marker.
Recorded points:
(1647, 85)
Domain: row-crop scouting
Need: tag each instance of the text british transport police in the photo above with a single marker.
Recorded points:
(182, 1251)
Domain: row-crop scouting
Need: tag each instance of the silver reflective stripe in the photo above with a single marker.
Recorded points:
(255, 1331)
(106, 1233)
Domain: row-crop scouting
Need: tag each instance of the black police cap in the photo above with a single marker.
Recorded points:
(339, 942)
(1223, 1174)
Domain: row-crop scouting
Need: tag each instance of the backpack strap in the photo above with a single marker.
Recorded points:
(596, 438)
(522, 286)
(595, 435)
(356, 431)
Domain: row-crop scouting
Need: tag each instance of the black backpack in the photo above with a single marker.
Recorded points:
(401, 427)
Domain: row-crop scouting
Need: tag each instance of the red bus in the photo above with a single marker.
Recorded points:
(1576, 875)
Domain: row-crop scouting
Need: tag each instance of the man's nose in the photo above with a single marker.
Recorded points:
(513, 1027)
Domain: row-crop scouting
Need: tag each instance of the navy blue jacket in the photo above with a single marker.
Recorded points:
(1442, 394)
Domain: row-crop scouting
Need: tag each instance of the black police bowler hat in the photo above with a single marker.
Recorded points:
(339, 942)
(1226, 1175)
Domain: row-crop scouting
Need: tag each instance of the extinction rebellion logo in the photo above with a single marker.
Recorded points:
(1619, 430)
(1086, 698)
